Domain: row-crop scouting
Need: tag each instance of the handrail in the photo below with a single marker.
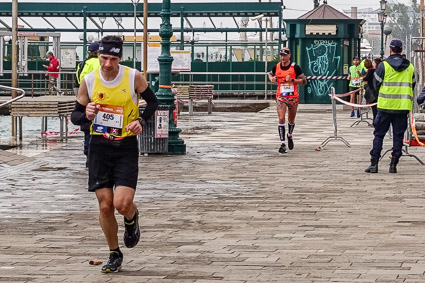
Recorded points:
(13, 99)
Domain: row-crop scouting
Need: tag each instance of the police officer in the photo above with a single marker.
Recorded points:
(395, 80)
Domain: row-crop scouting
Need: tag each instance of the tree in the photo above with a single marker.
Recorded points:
(404, 21)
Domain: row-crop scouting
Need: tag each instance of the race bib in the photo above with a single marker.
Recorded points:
(287, 89)
(109, 117)
(356, 82)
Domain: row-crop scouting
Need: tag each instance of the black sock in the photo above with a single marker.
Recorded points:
(132, 219)
(291, 128)
(281, 129)
(117, 250)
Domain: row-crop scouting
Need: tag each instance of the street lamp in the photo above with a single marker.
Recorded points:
(102, 21)
(382, 18)
(90, 38)
(387, 32)
(383, 5)
(135, 2)
(165, 96)
(261, 18)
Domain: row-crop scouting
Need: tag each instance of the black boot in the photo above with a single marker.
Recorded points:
(393, 165)
(373, 168)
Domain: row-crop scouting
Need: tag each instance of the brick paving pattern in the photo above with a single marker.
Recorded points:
(232, 210)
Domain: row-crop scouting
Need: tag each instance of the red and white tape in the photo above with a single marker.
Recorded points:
(326, 77)
(57, 133)
(352, 104)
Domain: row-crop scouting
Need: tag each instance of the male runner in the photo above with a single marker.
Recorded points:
(288, 75)
(109, 97)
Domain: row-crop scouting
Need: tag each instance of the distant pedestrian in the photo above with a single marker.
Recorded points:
(395, 80)
(288, 76)
(355, 74)
(84, 68)
(52, 72)
(371, 94)
(109, 97)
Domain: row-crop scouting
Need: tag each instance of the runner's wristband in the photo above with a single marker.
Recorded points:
(141, 121)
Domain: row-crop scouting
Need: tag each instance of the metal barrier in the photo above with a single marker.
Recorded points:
(36, 82)
(13, 99)
(151, 140)
(335, 136)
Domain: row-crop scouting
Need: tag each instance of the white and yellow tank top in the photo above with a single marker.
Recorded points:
(118, 101)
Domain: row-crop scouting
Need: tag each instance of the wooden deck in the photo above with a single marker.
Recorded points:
(43, 106)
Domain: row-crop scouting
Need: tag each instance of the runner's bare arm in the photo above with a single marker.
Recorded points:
(83, 95)
(272, 77)
(301, 80)
(140, 84)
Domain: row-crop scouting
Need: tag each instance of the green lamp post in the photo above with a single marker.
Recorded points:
(382, 18)
(165, 96)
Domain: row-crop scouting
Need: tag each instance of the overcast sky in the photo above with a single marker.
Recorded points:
(294, 8)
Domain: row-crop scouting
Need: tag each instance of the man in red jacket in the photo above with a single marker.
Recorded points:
(52, 73)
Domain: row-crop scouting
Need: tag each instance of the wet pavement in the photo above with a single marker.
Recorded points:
(231, 210)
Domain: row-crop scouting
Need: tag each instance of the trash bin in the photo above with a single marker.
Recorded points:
(154, 137)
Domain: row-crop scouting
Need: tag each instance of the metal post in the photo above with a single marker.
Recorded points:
(165, 96)
(181, 29)
(192, 43)
(225, 44)
(102, 21)
(265, 63)
(382, 39)
(135, 2)
(14, 54)
(335, 136)
(145, 38)
(84, 32)
(280, 30)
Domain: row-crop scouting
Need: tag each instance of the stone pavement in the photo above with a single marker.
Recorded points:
(232, 210)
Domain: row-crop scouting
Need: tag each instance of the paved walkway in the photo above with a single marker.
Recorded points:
(232, 210)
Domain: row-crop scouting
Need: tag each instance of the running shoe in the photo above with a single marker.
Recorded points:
(114, 263)
(352, 113)
(358, 113)
(132, 231)
(290, 142)
(282, 148)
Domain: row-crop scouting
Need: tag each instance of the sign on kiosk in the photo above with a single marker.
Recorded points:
(161, 123)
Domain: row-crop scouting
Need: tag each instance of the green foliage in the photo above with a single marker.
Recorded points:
(404, 20)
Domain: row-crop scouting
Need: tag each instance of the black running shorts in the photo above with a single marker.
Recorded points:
(113, 163)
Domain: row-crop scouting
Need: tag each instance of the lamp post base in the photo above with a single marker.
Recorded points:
(177, 148)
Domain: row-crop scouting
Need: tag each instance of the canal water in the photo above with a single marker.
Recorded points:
(32, 126)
